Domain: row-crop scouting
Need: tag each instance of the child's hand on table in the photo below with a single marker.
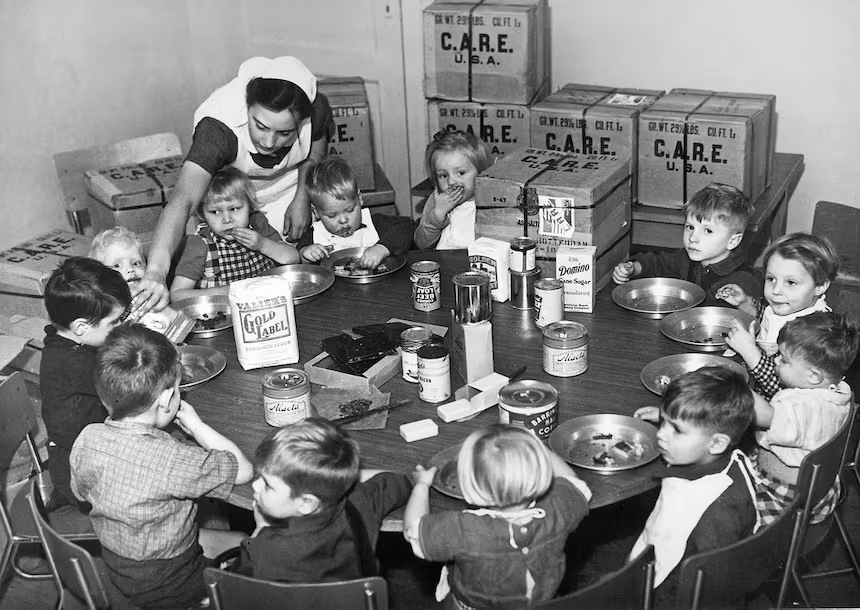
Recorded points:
(448, 200)
(649, 414)
(248, 238)
(420, 475)
(624, 271)
(315, 253)
(373, 256)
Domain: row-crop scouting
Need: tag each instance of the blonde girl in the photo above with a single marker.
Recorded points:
(799, 268)
(508, 551)
(453, 160)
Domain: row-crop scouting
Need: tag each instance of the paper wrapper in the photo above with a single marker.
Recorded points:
(328, 403)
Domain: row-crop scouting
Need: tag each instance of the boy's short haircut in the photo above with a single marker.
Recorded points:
(714, 398)
(134, 366)
(331, 177)
(720, 203)
(229, 184)
(84, 288)
(816, 254)
(312, 457)
(823, 339)
(109, 237)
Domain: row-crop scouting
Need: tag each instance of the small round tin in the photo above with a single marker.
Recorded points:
(286, 396)
(411, 340)
(434, 373)
(523, 254)
(523, 288)
(426, 284)
(530, 404)
(565, 348)
(549, 301)
(472, 302)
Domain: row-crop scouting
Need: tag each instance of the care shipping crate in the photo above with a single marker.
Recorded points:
(133, 195)
(591, 119)
(558, 199)
(486, 51)
(690, 138)
(351, 136)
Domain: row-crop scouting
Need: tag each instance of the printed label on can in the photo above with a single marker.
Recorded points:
(565, 362)
(409, 364)
(540, 421)
(426, 283)
(285, 411)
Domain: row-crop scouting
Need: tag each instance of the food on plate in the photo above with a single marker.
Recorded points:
(210, 322)
(626, 450)
(351, 267)
(663, 381)
(604, 459)
(602, 437)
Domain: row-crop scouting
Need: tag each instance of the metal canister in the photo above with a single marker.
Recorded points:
(434, 373)
(472, 302)
(523, 288)
(411, 340)
(286, 396)
(523, 254)
(426, 285)
(549, 301)
(530, 404)
(565, 349)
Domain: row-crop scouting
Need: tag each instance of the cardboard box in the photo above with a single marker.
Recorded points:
(494, 51)
(351, 136)
(28, 265)
(590, 119)
(690, 138)
(558, 199)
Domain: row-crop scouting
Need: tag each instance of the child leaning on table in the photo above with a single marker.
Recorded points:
(143, 483)
(233, 241)
(799, 268)
(508, 552)
(715, 220)
(85, 300)
(318, 516)
(815, 351)
(342, 223)
(453, 160)
(707, 495)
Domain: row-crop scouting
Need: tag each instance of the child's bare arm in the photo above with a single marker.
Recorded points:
(209, 438)
(763, 412)
(279, 251)
(183, 288)
(418, 506)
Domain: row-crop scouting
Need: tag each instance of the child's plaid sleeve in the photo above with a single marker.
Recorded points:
(764, 373)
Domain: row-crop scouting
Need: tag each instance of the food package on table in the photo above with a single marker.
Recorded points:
(333, 403)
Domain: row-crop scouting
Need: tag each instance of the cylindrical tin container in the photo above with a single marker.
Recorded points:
(549, 301)
(530, 404)
(472, 302)
(523, 288)
(434, 373)
(426, 285)
(411, 340)
(286, 396)
(523, 254)
(565, 348)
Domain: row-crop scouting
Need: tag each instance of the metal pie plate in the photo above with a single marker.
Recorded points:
(342, 257)
(578, 441)
(199, 307)
(657, 374)
(655, 297)
(307, 281)
(703, 328)
(199, 364)
(446, 481)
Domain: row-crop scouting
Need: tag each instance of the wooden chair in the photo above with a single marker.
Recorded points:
(229, 591)
(17, 419)
(630, 587)
(841, 225)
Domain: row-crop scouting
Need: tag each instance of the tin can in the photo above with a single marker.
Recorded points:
(472, 302)
(549, 301)
(426, 284)
(434, 373)
(411, 340)
(565, 349)
(523, 254)
(523, 288)
(286, 397)
(530, 404)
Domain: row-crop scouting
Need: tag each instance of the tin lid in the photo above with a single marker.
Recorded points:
(285, 379)
(471, 278)
(433, 352)
(523, 243)
(565, 333)
(416, 334)
(529, 273)
(528, 394)
(425, 266)
(548, 283)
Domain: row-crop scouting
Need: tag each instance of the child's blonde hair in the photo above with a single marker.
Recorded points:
(503, 466)
(816, 254)
(331, 177)
(110, 237)
(229, 184)
(471, 146)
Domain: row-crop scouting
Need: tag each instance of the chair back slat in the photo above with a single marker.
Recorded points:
(16, 416)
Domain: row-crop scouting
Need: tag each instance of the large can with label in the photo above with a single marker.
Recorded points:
(426, 285)
(530, 404)
(565, 348)
(286, 397)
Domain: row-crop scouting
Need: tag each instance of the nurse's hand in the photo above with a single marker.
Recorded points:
(298, 217)
(150, 294)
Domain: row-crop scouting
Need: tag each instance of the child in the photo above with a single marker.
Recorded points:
(799, 269)
(85, 300)
(453, 160)
(509, 552)
(716, 218)
(315, 521)
(143, 483)
(815, 351)
(707, 495)
(333, 193)
(233, 242)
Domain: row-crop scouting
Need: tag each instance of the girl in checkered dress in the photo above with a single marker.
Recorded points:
(233, 242)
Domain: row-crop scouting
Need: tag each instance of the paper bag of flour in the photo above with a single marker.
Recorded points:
(264, 322)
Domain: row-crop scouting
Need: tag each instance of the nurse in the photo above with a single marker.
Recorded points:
(269, 122)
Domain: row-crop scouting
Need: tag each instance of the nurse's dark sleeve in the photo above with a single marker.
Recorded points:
(321, 119)
(214, 145)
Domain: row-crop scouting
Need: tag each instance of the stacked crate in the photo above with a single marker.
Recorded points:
(351, 135)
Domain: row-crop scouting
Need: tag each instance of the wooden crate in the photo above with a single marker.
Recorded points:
(28, 265)
(352, 136)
